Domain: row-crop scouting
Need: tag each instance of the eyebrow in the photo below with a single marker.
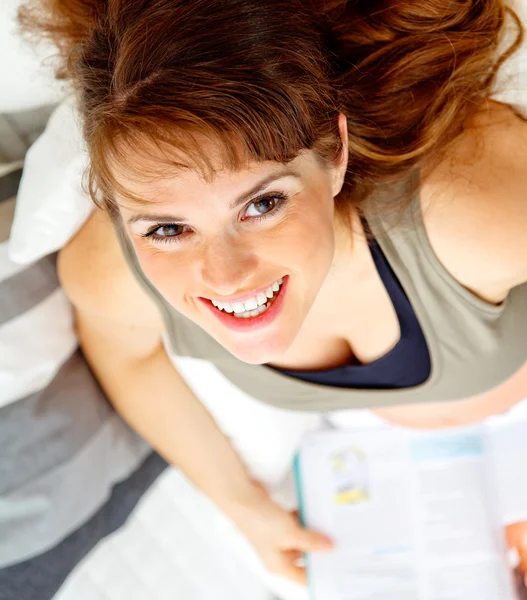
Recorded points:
(245, 197)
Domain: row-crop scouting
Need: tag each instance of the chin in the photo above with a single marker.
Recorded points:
(255, 352)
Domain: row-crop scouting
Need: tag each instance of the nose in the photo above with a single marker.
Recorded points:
(227, 266)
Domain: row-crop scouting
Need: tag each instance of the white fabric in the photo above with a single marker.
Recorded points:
(106, 458)
(34, 346)
(26, 71)
(51, 204)
(8, 268)
(175, 546)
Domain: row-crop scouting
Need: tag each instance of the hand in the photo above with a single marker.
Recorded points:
(277, 535)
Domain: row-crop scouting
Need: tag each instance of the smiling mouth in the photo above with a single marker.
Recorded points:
(253, 307)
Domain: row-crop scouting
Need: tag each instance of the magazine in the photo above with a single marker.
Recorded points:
(414, 515)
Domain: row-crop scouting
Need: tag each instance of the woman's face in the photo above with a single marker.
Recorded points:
(243, 255)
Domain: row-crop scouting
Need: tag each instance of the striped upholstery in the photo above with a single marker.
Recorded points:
(70, 470)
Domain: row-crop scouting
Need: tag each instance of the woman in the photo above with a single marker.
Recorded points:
(327, 215)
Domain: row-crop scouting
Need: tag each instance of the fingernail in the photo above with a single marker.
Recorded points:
(325, 545)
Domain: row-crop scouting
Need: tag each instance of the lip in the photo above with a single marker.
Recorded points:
(252, 323)
(242, 297)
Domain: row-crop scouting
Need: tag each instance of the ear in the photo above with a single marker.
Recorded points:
(341, 165)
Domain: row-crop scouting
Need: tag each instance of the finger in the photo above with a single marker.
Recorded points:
(522, 554)
(515, 533)
(292, 571)
(296, 557)
(296, 514)
(517, 539)
(310, 541)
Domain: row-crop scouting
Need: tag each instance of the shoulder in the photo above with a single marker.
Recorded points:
(98, 281)
(474, 204)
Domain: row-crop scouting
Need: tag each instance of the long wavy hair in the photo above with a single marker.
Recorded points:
(266, 79)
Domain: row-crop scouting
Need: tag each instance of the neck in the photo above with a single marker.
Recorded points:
(352, 265)
(352, 272)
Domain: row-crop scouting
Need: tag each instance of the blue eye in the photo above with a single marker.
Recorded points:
(260, 207)
(170, 230)
(166, 233)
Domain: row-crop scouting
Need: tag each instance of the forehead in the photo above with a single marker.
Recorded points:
(191, 184)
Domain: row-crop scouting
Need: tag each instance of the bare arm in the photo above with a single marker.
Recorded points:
(151, 396)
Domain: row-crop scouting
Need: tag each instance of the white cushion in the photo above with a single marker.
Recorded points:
(51, 203)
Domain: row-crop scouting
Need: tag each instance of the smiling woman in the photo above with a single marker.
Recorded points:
(325, 207)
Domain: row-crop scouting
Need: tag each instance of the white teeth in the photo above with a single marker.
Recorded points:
(261, 299)
(252, 313)
(252, 307)
(251, 304)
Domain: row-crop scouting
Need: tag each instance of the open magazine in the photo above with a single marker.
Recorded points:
(414, 515)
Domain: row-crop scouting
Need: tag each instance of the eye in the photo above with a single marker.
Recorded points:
(262, 206)
(165, 233)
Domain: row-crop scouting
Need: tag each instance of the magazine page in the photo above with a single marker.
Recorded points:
(508, 440)
(463, 542)
(411, 514)
(357, 488)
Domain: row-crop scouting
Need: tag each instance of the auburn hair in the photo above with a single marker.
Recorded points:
(266, 79)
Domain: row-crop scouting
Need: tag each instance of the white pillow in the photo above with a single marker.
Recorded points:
(26, 70)
(51, 205)
(511, 84)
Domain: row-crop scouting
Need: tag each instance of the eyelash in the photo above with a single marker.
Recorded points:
(162, 239)
(282, 202)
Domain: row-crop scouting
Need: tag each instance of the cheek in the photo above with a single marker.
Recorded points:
(169, 273)
(310, 237)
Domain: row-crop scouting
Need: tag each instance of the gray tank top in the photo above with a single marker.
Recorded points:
(473, 345)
